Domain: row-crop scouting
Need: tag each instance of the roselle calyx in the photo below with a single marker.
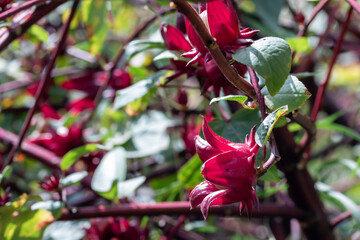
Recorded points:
(229, 171)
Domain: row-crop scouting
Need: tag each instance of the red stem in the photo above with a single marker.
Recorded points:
(45, 78)
(321, 91)
(16, 31)
(14, 10)
(176, 208)
(41, 154)
(314, 13)
(255, 82)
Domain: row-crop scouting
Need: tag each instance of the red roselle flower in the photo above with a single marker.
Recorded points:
(60, 141)
(90, 82)
(220, 19)
(229, 170)
(114, 229)
(50, 183)
(79, 105)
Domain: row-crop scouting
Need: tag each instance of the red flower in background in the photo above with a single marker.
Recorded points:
(114, 229)
(50, 183)
(229, 170)
(60, 141)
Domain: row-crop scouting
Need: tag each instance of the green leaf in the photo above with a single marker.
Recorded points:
(239, 125)
(38, 33)
(138, 46)
(299, 45)
(127, 188)
(237, 98)
(111, 170)
(271, 175)
(356, 169)
(6, 172)
(340, 198)
(189, 175)
(339, 128)
(136, 91)
(55, 207)
(73, 155)
(94, 14)
(270, 57)
(263, 132)
(73, 178)
(293, 93)
(20, 222)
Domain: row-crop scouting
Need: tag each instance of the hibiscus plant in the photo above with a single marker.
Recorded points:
(135, 119)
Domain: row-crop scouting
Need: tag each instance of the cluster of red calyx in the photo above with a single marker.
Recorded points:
(229, 170)
(115, 229)
(50, 183)
(225, 30)
(60, 141)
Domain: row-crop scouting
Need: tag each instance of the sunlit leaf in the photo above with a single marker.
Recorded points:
(270, 57)
(73, 155)
(189, 175)
(111, 170)
(293, 94)
(264, 130)
(237, 98)
(73, 178)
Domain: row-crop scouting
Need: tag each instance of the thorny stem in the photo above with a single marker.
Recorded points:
(230, 74)
(321, 91)
(176, 208)
(114, 64)
(45, 78)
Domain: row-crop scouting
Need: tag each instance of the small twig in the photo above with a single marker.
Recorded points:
(340, 218)
(321, 91)
(313, 14)
(45, 78)
(274, 158)
(176, 228)
(354, 4)
(17, 31)
(308, 59)
(14, 10)
(41, 154)
(231, 75)
(310, 128)
(177, 208)
(255, 82)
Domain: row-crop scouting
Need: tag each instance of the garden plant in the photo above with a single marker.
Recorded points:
(157, 119)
